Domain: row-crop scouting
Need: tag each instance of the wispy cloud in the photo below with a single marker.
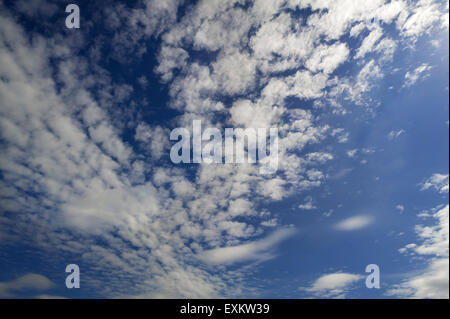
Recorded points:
(254, 251)
(395, 134)
(417, 74)
(433, 281)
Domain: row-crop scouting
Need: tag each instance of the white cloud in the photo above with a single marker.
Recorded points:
(352, 153)
(424, 15)
(368, 43)
(328, 58)
(26, 283)
(134, 25)
(170, 58)
(395, 134)
(235, 72)
(333, 285)
(387, 46)
(153, 140)
(270, 223)
(437, 181)
(435, 238)
(355, 89)
(307, 204)
(255, 251)
(357, 29)
(433, 281)
(419, 73)
(354, 223)
(341, 134)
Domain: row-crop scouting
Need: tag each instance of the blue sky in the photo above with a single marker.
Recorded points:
(357, 89)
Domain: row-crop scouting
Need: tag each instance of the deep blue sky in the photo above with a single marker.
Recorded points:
(104, 194)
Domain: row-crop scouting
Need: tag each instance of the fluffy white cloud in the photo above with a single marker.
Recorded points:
(433, 281)
(352, 153)
(307, 204)
(153, 140)
(327, 58)
(435, 238)
(424, 14)
(355, 89)
(368, 43)
(437, 181)
(170, 58)
(133, 26)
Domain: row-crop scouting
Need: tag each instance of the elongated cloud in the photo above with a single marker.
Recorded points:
(354, 223)
(256, 251)
(333, 285)
(28, 282)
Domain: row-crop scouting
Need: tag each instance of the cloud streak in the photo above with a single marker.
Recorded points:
(259, 250)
